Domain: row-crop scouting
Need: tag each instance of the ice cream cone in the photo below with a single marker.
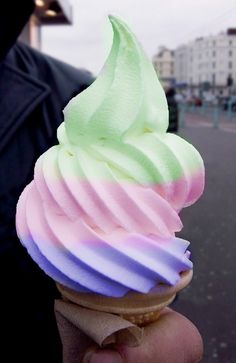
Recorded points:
(102, 212)
(139, 309)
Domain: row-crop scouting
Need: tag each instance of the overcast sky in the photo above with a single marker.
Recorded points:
(155, 22)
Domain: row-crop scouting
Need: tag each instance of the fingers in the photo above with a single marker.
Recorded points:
(172, 339)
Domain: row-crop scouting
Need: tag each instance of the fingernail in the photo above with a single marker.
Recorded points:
(102, 356)
(89, 353)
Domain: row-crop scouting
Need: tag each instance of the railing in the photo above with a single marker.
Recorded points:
(210, 113)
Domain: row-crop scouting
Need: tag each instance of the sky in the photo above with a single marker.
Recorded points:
(85, 44)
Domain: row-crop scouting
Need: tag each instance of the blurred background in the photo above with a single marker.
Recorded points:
(193, 48)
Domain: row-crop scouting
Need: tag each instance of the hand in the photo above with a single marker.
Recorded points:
(172, 339)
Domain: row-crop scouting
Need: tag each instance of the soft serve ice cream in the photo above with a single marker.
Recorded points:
(102, 211)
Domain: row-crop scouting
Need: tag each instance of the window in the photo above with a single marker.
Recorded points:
(230, 53)
(230, 64)
(213, 53)
(213, 79)
(213, 64)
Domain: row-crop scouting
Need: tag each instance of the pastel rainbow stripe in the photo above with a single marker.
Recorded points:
(102, 211)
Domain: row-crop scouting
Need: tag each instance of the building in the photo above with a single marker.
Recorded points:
(163, 63)
(47, 12)
(181, 65)
(208, 63)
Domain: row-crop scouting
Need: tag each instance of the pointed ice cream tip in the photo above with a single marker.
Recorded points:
(125, 99)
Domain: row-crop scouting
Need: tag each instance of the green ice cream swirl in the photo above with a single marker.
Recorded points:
(126, 98)
(117, 127)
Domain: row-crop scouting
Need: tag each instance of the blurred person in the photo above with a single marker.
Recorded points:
(34, 89)
(173, 110)
(197, 101)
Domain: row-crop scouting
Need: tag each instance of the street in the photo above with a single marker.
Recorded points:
(210, 300)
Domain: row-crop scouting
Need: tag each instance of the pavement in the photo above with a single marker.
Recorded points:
(210, 300)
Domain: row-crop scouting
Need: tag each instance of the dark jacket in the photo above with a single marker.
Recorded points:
(34, 89)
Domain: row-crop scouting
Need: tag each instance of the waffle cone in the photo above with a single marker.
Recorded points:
(140, 309)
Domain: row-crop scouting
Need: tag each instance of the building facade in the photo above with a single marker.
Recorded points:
(208, 63)
(163, 63)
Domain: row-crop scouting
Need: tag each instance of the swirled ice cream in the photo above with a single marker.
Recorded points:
(102, 211)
